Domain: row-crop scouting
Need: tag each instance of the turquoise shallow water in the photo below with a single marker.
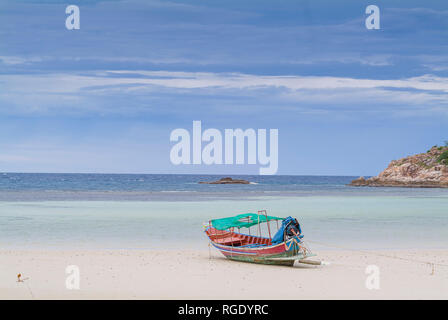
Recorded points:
(358, 222)
(167, 211)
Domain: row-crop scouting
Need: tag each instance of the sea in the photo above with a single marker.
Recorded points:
(168, 211)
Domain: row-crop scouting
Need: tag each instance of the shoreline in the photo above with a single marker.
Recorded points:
(202, 196)
(200, 274)
(424, 186)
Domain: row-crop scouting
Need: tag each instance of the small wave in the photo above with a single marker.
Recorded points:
(175, 191)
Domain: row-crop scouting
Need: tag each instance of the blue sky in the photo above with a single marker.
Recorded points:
(105, 98)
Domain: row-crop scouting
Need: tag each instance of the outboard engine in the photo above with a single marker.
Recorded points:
(293, 229)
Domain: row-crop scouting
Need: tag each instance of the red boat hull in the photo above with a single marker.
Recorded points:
(242, 247)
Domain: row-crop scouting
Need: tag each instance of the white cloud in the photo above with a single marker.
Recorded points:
(70, 83)
(85, 93)
(15, 60)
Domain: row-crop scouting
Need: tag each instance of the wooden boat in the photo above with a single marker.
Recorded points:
(284, 248)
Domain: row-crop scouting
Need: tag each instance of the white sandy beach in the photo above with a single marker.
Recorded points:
(144, 274)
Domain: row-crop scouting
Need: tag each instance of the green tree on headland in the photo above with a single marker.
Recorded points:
(443, 158)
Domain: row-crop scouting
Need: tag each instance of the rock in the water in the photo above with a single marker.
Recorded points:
(425, 170)
(227, 180)
(361, 181)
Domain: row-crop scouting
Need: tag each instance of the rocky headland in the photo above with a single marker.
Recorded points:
(424, 170)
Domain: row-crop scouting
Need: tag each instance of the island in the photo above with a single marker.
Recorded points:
(424, 170)
(226, 181)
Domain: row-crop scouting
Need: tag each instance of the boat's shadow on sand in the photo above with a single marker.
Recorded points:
(222, 260)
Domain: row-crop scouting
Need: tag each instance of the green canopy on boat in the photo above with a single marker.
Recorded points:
(244, 220)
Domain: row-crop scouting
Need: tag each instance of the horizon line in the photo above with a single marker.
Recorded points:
(197, 174)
